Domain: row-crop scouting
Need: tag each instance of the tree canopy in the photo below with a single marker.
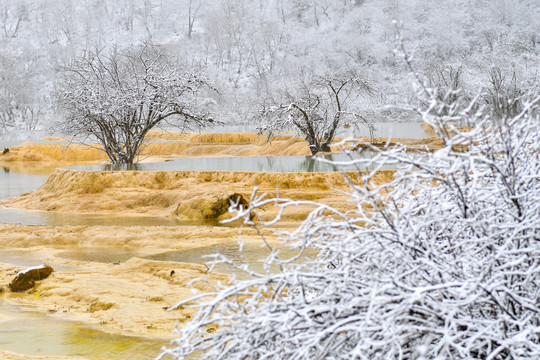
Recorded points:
(249, 47)
(315, 108)
(118, 96)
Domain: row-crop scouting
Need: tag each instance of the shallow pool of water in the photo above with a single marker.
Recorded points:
(102, 255)
(37, 217)
(247, 163)
(25, 259)
(32, 333)
(15, 184)
(252, 255)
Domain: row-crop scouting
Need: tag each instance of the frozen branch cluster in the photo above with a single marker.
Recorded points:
(316, 108)
(441, 263)
(118, 97)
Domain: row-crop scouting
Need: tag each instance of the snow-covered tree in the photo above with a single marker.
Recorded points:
(24, 99)
(315, 108)
(442, 262)
(117, 97)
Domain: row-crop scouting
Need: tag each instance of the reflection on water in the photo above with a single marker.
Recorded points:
(37, 217)
(247, 163)
(103, 255)
(14, 184)
(25, 258)
(36, 334)
(252, 255)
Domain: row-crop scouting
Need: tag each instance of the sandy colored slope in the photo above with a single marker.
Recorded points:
(128, 298)
(164, 144)
(183, 194)
(7, 355)
(151, 238)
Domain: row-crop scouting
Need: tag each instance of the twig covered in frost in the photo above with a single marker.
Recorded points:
(443, 262)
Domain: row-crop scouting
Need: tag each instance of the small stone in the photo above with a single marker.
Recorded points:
(27, 278)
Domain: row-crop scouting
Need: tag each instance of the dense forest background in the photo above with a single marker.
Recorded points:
(253, 50)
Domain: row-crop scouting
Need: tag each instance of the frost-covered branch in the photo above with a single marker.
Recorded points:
(441, 262)
(119, 96)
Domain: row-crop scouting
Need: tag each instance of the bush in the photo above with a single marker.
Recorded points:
(441, 263)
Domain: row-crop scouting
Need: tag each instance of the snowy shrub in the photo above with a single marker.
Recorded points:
(441, 263)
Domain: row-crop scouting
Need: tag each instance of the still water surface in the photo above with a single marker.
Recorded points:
(16, 184)
(32, 333)
(252, 255)
(251, 164)
(38, 217)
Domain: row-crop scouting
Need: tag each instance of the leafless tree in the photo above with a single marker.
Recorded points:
(315, 109)
(193, 9)
(12, 15)
(118, 96)
(23, 97)
(503, 94)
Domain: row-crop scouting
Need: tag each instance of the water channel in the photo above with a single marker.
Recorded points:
(250, 164)
(251, 255)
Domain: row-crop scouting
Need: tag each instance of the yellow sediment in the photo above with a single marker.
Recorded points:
(428, 129)
(187, 145)
(28, 152)
(131, 297)
(134, 294)
(149, 238)
(57, 138)
(8, 355)
(184, 194)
